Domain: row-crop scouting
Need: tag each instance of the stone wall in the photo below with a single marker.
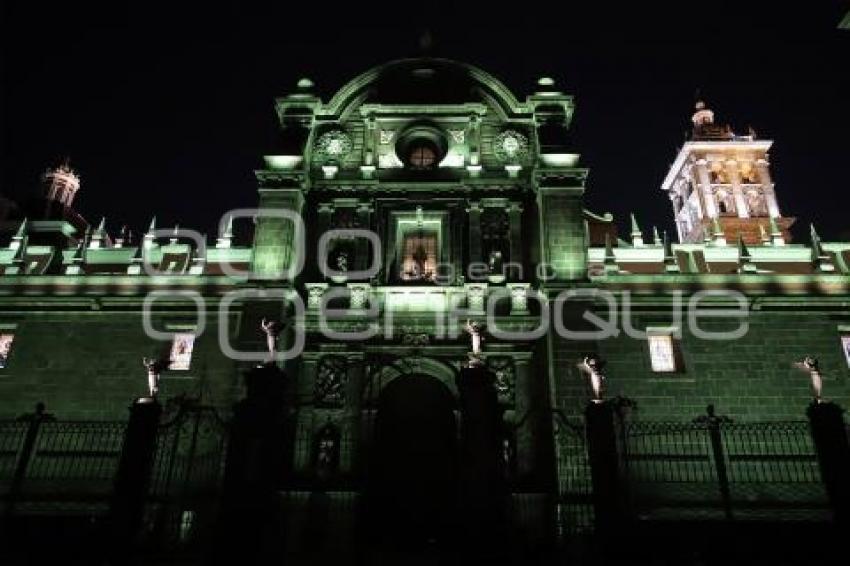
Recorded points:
(748, 379)
(88, 366)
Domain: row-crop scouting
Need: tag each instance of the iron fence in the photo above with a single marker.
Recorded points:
(12, 437)
(574, 507)
(187, 471)
(58, 465)
(715, 469)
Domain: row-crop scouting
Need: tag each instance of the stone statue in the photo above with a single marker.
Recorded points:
(155, 368)
(810, 365)
(342, 262)
(591, 366)
(272, 328)
(475, 330)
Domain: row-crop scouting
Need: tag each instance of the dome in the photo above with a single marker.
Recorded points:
(424, 81)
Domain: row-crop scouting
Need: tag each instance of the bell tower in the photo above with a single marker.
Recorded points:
(721, 188)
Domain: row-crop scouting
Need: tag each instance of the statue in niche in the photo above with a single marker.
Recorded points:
(591, 366)
(155, 367)
(327, 451)
(507, 456)
(342, 262)
(272, 329)
(331, 380)
(503, 368)
(810, 365)
(495, 262)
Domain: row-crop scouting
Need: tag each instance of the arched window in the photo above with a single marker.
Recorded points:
(755, 203)
(725, 203)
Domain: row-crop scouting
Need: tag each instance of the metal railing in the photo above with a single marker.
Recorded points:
(12, 437)
(574, 508)
(716, 469)
(187, 472)
(74, 459)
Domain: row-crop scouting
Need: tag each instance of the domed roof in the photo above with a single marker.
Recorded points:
(424, 81)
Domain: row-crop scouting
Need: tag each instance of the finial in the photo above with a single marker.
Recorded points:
(225, 238)
(123, 237)
(610, 260)
(22, 228)
(743, 251)
(546, 82)
(656, 238)
(819, 256)
(101, 228)
(717, 235)
(149, 238)
(745, 260)
(305, 84)
(228, 227)
(671, 264)
(765, 237)
(18, 242)
(814, 236)
(637, 235)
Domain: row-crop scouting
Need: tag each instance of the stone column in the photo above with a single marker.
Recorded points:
(609, 487)
(831, 444)
(528, 412)
(474, 216)
(350, 448)
(133, 476)
(708, 202)
(302, 447)
(737, 191)
(361, 250)
(676, 211)
(256, 454)
(515, 219)
(767, 187)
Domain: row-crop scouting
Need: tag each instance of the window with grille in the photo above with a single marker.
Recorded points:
(662, 353)
(419, 257)
(181, 351)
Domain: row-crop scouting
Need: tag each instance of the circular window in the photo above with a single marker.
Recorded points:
(422, 147)
(422, 156)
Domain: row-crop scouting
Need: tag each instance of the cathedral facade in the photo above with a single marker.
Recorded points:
(422, 205)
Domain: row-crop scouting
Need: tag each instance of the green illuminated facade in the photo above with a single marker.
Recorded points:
(476, 198)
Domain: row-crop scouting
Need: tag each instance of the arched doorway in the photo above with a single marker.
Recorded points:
(414, 468)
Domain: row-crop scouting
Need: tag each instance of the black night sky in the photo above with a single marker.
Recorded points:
(167, 110)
